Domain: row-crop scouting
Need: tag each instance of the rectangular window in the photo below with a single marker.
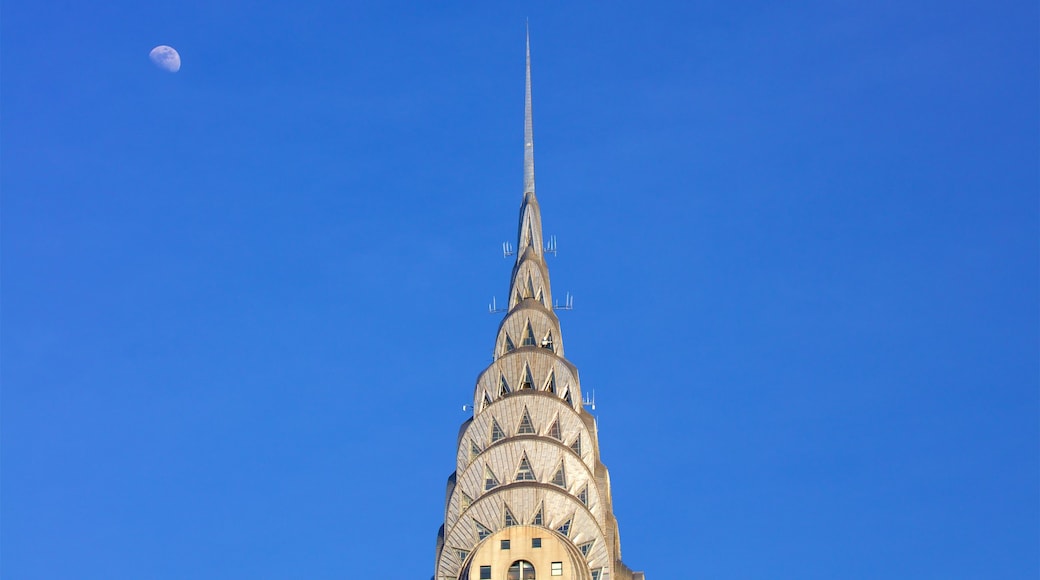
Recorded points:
(536, 542)
(505, 544)
(556, 569)
(485, 573)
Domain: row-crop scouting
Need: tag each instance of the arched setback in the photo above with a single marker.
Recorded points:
(525, 503)
(535, 273)
(539, 546)
(545, 459)
(546, 409)
(514, 325)
(513, 367)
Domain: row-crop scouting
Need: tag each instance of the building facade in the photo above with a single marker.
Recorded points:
(529, 498)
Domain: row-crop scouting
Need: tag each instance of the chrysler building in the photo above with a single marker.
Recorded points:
(529, 498)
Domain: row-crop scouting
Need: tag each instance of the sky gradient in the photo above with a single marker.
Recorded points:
(243, 304)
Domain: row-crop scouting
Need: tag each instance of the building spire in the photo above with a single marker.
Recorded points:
(529, 239)
(528, 127)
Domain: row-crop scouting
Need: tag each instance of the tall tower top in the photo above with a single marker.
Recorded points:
(528, 127)
(529, 492)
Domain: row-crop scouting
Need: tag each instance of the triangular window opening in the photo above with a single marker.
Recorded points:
(519, 296)
(547, 341)
(528, 381)
(496, 431)
(560, 478)
(530, 234)
(565, 529)
(538, 519)
(528, 336)
(482, 531)
(530, 287)
(487, 401)
(586, 548)
(567, 397)
(463, 554)
(503, 386)
(490, 481)
(595, 574)
(509, 519)
(541, 297)
(554, 430)
(510, 347)
(576, 446)
(464, 502)
(474, 451)
(526, 426)
(583, 495)
(550, 383)
(524, 471)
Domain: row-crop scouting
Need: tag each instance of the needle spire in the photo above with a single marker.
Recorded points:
(528, 127)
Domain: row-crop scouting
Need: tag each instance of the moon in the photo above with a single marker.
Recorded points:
(166, 58)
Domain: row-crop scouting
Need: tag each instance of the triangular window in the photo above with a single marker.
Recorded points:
(463, 554)
(538, 519)
(530, 287)
(547, 341)
(583, 495)
(576, 446)
(474, 451)
(530, 235)
(510, 520)
(464, 502)
(487, 400)
(554, 430)
(528, 336)
(567, 397)
(503, 386)
(519, 297)
(509, 344)
(526, 426)
(565, 529)
(541, 297)
(524, 471)
(550, 383)
(490, 481)
(595, 574)
(586, 548)
(528, 381)
(496, 431)
(560, 478)
(482, 531)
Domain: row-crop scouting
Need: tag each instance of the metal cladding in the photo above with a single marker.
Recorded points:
(528, 465)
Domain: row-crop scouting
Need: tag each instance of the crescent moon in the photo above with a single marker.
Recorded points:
(166, 58)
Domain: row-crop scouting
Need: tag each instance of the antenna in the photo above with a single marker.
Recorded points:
(493, 307)
(507, 249)
(550, 246)
(589, 401)
(568, 303)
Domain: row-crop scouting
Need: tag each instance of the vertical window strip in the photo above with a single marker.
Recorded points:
(524, 471)
(565, 529)
(490, 481)
(526, 427)
(496, 431)
(529, 335)
(554, 429)
(559, 478)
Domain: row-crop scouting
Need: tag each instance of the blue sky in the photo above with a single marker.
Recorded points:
(243, 304)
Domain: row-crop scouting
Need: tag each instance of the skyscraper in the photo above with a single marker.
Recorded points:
(529, 497)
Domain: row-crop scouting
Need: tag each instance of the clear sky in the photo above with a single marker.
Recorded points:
(244, 303)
